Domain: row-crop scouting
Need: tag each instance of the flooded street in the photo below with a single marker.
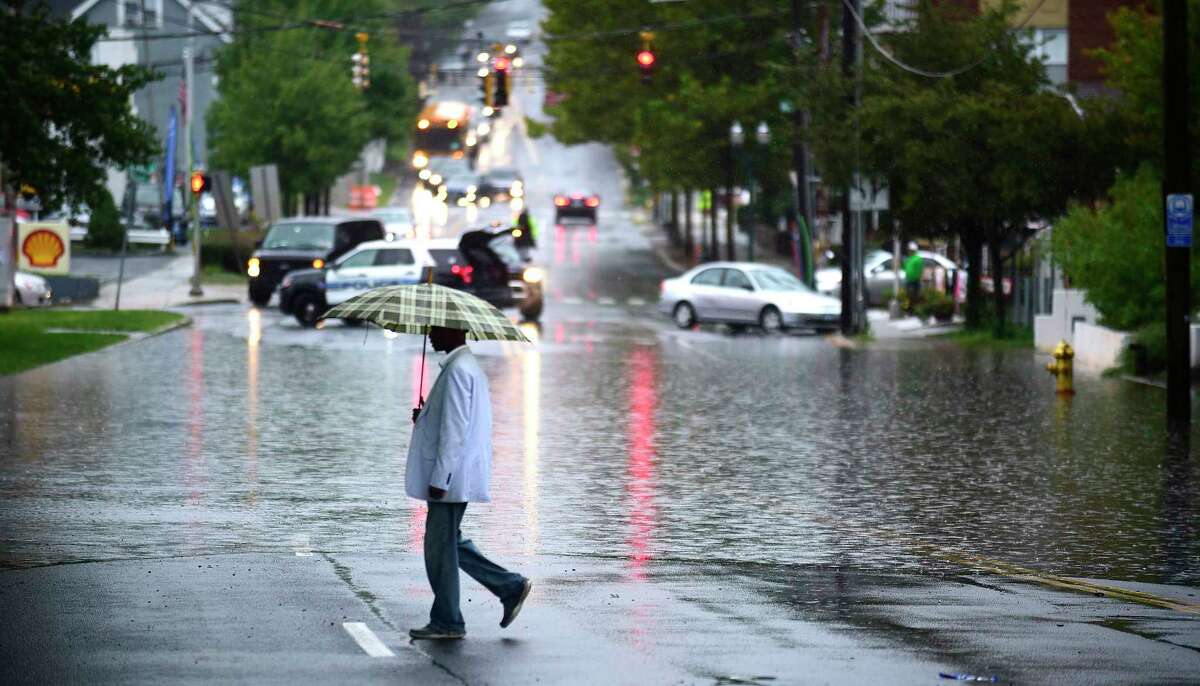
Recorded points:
(615, 435)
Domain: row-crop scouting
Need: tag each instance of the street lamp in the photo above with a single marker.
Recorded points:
(737, 138)
(736, 135)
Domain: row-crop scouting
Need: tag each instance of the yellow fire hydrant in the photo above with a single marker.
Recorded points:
(1063, 368)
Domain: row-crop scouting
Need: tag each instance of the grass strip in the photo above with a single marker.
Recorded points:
(217, 275)
(983, 338)
(27, 343)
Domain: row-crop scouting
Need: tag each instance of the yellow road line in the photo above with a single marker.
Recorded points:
(1033, 576)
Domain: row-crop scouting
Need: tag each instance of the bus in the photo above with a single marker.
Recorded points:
(443, 130)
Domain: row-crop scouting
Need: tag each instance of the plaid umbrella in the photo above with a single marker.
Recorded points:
(413, 309)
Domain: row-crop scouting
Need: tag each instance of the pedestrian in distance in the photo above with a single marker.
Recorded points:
(449, 465)
(528, 236)
(914, 267)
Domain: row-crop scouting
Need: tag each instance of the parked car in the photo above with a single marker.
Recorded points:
(307, 294)
(397, 221)
(32, 290)
(304, 243)
(577, 204)
(502, 185)
(747, 293)
(880, 276)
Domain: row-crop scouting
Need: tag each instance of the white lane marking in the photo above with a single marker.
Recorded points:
(572, 301)
(367, 640)
(636, 302)
(606, 301)
(303, 553)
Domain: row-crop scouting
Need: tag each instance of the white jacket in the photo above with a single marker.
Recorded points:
(451, 444)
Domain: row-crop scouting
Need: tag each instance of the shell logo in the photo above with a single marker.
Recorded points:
(43, 249)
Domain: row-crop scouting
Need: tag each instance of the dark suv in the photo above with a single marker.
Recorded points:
(304, 243)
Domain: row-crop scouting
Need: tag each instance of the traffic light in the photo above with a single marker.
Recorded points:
(360, 67)
(646, 57)
(199, 182)
(485, 86)
(500, 97)
(645, 60)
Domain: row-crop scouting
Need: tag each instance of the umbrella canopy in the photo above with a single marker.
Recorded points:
(413, 309)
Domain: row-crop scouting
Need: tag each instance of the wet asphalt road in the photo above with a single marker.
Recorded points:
(691, 504)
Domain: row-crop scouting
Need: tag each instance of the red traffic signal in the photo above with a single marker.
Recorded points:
(645, 59)
(502, 63)
(199, 182)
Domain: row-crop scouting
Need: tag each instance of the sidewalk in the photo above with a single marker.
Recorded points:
(330, 616)
(167, 286)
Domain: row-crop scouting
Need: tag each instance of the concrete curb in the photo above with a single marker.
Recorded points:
(211, 301)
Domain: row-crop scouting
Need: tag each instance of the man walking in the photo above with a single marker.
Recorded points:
(449, 465)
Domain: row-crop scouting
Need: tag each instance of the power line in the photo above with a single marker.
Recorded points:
(917, 70)
(334, 24)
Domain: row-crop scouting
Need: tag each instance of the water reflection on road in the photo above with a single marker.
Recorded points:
(615, 435)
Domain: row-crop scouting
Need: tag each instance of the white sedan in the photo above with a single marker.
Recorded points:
(746, 293)
(32, 290)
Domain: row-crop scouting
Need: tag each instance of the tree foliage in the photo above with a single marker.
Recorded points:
(1116, 252)
(287, 97)
(715, 64)
(979, 154)
(63, 120)
(1132, 67)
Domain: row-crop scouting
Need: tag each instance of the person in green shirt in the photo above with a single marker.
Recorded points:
(914, 267)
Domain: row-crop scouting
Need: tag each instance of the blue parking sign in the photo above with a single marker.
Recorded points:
(1179, 220)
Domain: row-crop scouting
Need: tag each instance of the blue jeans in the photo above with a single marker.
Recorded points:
(446, 551)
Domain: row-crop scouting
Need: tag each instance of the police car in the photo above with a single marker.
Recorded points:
(307, 294)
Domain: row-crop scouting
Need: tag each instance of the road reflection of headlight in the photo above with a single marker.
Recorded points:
(533, 275)
(462, 202)
(424, 174)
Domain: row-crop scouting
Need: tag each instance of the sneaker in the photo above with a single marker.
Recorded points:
(428, 632)
(511, 610)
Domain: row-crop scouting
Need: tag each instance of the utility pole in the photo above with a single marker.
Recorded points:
(189, 54)
(849, 250)
(1179, 212)
(800, 157)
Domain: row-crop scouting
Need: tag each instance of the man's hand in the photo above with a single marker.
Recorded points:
(436, 493)
(416, 413)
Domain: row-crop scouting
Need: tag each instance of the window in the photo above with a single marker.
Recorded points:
(777, 280)
(734, 278)
(708, 277)
(299, 237)
(140, 13)
(393, 256)
(362, 258)
(1051, 46)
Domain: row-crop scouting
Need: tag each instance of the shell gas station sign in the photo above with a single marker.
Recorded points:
(44, 247)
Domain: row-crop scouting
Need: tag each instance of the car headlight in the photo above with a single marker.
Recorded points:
(253, 268)
(533, 275)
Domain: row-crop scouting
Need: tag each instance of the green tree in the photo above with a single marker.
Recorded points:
(287, 96)
(63, 120)
(980, 153)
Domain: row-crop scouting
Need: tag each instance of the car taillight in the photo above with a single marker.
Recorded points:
(560, 201)
(593, 201)
(463, 273)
